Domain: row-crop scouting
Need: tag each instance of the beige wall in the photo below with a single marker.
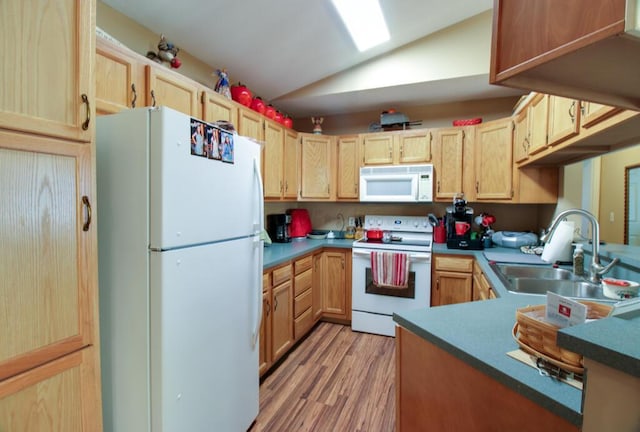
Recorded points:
(612, 172)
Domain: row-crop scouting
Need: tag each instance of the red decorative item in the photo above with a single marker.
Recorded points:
(176, 63)
(287, 122)
(300, 222)
(278, 116)
(467, 122)
(241, 94)
(258, 105)
(270, 112)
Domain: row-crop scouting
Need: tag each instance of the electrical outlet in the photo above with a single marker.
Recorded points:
(352, 221)
(612, 217)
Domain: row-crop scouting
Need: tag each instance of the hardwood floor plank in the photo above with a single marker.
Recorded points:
(335, 380)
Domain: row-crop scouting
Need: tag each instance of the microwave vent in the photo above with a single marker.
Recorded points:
(396, 169)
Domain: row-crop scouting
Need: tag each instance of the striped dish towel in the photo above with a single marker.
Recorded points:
(390, 269)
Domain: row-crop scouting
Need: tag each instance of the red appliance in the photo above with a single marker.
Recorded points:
(300, 223)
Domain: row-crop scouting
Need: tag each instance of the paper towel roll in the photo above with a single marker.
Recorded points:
(559, 247)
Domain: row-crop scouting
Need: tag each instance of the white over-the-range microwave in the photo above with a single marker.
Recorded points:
(397, 183)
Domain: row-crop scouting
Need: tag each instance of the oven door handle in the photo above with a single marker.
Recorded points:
(413, 256)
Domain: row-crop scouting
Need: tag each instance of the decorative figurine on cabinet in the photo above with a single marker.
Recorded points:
(167, 52)
(317, 125)
(222, 86)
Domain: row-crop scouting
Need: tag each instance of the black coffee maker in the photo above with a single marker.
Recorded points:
(278, 227)
(458, 221)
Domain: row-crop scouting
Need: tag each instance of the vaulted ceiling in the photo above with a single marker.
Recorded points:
(297, 54)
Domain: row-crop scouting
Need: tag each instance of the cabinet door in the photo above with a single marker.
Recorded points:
(593, 113)
(49, 51)
(451, 288)
(334, 301)
(315, 167)
(494, 161)
(169, 89)
(58, 396)
(250, 124)
(348, 171)
(538, 113)
(317, 287)
(217, 107)
(117, 83)
(264, 353)
(564, 119)
(414, 147)
(377, 149)
(290, 170)
(521, 136)
(273, 160)
(448, 164)
(47, 251)
(282, 320)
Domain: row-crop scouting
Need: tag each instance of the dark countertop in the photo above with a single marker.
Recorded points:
(480, 333)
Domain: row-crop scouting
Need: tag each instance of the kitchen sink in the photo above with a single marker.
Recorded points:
(538, 280)
(542, 272)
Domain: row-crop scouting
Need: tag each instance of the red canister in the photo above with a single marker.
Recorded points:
(439, 234)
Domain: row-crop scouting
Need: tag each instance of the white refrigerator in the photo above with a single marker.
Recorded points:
(179, 214)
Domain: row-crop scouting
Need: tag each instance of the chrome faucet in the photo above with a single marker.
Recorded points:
(597, 269)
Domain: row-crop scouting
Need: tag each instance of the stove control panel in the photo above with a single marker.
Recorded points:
(398, 223)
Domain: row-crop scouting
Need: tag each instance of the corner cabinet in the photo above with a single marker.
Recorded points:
(452, 280)
(317, 176)
(50, 368)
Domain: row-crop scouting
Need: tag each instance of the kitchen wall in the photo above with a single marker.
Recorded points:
(522, 217)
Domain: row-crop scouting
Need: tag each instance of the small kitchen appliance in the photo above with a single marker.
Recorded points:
(459, 219)
(300, 223)
(278, 227)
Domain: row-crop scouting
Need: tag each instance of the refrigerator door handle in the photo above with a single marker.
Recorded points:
(258, 242)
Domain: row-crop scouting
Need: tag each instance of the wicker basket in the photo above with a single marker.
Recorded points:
(539, 337)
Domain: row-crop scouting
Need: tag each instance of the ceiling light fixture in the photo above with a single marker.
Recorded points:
(364, 21)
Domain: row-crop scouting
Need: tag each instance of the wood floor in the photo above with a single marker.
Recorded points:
(335, 380)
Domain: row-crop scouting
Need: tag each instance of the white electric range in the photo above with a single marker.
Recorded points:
(373, 306)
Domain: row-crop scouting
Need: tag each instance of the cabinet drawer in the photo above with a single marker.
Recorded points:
(302, 303)
(302, 324)
(451, 263)
(303, 264)
(303, 282)
(281, 274)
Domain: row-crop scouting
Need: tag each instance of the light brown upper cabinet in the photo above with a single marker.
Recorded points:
(564, 119)
(448, 163)
(217, 107)
(273, 160)
(167, 88)
(317, 159)
(494, 160)
(250, 124)
(348, 168)
(398, 147)
(120, 80)
(290, 171)
(582, 49)
(46, 81)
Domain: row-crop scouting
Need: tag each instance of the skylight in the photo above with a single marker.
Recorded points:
(364, 21)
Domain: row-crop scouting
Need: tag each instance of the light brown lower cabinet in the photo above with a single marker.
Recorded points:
(452, 280)
(438, 390)
(57, 396)
(336, 288)
(276, 330)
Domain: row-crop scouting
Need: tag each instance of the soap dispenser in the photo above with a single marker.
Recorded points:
(578, 260)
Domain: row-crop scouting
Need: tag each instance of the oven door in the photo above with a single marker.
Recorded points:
(368, 298)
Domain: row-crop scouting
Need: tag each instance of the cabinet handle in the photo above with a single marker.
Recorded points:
(268, 307)
(87, 205)
(135, 95)
(390, 151)
(477, 186)
(286, 186)
(438, 183)
(342, 263)
(401, 150)
(281, 187)
(275, 304)
(582, 108)
(153, 99)
(572, 112)
(85, 100)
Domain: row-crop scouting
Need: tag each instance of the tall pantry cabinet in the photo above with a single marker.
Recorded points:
(49, 354)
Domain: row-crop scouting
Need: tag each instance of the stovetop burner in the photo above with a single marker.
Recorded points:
(408, 233)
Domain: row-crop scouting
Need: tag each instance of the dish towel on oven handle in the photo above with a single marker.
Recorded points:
(390, 269)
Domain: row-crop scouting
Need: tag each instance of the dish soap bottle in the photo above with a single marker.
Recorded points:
(578, 260)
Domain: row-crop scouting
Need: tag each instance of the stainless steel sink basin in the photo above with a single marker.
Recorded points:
(567, 288)
(542, 272)
(538, 280)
